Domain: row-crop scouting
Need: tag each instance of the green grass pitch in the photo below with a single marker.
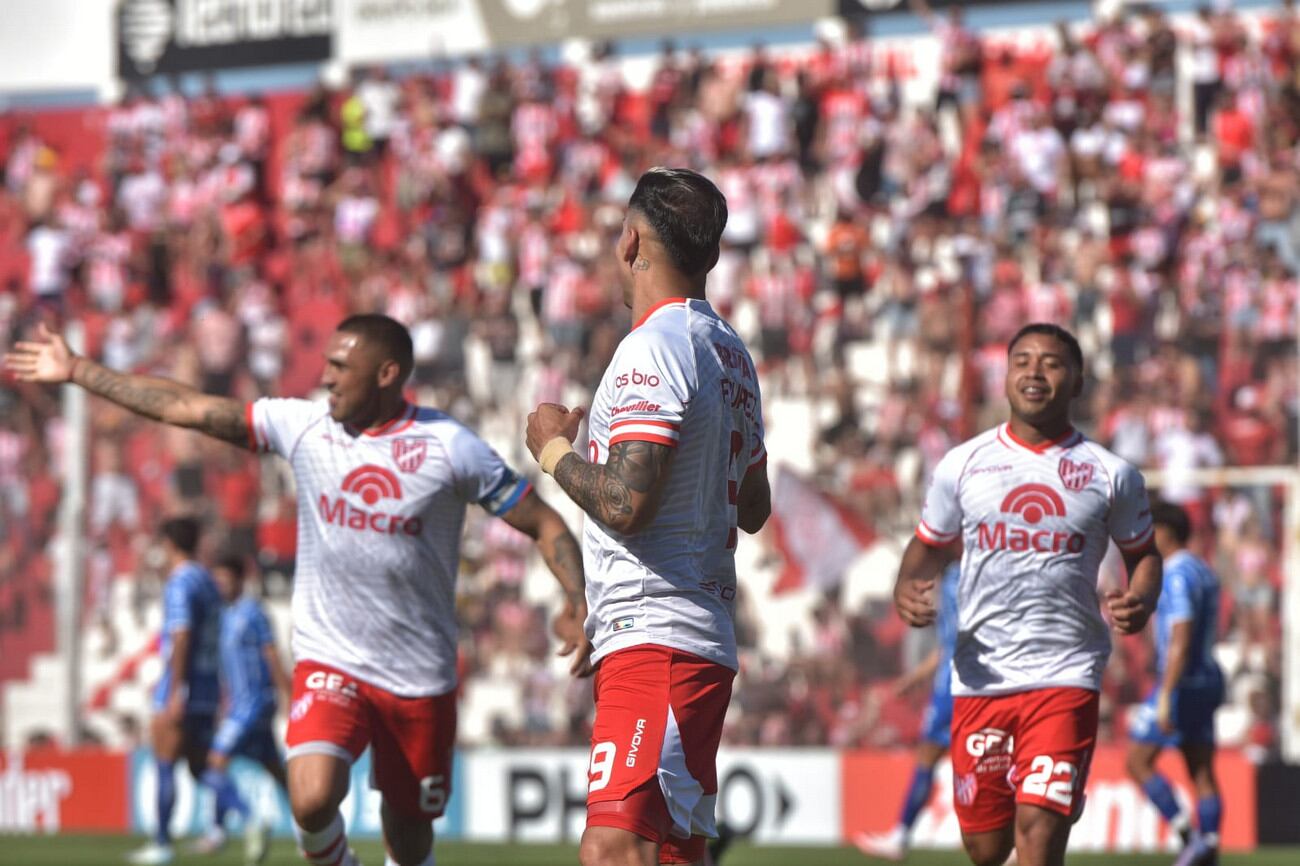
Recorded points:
(109, 851)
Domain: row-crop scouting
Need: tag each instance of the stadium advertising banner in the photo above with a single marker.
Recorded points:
(165, 36)
(49, 791)
(1117, 817)
(194, 806)
(858, 8)
(379, 31)
(776, 796)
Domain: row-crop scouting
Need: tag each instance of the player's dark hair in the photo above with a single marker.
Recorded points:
(232, 562)
(385, 332)
(1172, 517)
(1050, 330)
(687, 213)
(182, 532)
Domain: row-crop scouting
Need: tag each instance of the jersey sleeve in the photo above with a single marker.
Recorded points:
(651, 385)
(941, 513)
(276, 424)
(178, 605)
(1130, 512)
(1176, 596)
(482, 477)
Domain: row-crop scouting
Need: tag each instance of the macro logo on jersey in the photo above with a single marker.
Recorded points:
(1075, 476)
(1031, 503)
(409, 454)
(372, 484)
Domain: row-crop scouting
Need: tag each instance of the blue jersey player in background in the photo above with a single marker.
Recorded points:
(252, 677)
(185, 700)
(936, 726)
(1180, 711)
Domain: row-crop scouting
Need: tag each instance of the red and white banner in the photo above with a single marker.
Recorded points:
(816, 536)
(48, 791)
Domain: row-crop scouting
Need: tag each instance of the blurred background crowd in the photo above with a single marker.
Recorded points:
(1132, 178)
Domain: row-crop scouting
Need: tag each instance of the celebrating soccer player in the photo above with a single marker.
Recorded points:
(1180, 710)
(185, 699)
(936, 725)
(674, 465)
(1035, 505)
(382, 490)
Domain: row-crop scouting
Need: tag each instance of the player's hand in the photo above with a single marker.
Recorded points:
(568, 627)
(914, 600)
(1164, 713)
(1129, 611)
(46, 360)
(549, 420)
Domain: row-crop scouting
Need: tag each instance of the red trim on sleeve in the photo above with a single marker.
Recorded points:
(656, 308)
(643, 437)
(1139, 544)
(652, 422)
(757, 463)
(253, 444)
(930, 542)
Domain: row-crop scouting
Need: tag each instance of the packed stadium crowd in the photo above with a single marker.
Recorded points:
(879, 253)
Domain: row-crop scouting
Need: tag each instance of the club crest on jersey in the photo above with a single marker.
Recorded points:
(409, 454)
(1075, 476)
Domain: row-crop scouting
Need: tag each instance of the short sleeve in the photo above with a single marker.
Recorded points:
(482, 477)
(178, 605)
(276, 424)
(941, 514)
(1176, 596)
(651, 386)
(1130, 512)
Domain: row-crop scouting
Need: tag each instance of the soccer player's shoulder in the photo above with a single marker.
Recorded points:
(1122, 474)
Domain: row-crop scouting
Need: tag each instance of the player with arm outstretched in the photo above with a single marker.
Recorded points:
(1035, 505)
(1180, 710)
(936, 734)
(382, 490)
(674, 466)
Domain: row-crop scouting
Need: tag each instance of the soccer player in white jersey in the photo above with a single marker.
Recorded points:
(675, 464)
(1035, 505)
(382, 490)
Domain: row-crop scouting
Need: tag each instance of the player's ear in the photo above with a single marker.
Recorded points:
(389, 373)
(629, 245)
(1077, 390)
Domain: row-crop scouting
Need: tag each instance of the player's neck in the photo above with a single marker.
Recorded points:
(388, 411)
(645, 298)
(1041, 433)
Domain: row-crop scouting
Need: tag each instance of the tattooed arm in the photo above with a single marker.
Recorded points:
(623, 494)
(563, 557)
(51, 361)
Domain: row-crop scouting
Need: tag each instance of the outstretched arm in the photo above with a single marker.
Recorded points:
(51, 361)
(563, 557)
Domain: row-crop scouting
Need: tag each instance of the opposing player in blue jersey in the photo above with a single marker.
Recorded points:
(252, 675)
(1180, 710)
(185, 700)
(936, 725)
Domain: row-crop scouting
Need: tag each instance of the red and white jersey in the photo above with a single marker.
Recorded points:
(379, 526)
(1035, 523)
(681, 378)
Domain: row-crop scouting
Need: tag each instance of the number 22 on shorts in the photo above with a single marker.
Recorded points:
(1043, 780)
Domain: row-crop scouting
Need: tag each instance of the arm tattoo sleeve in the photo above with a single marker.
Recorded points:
(564, 557)
(165, 400)
(606, 492)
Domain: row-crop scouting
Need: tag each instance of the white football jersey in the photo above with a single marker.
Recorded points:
(681, 378)
(379, 525)
(1035, 522)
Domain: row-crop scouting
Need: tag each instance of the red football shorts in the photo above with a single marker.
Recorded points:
(654, 747)
(1028, 747)
(411, 739)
